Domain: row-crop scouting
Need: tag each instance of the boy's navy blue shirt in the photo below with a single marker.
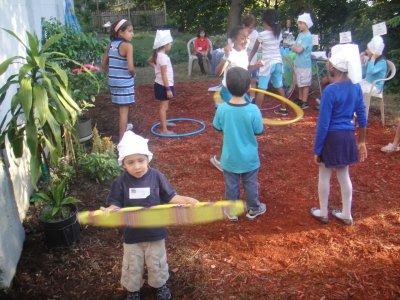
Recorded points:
(149, 190)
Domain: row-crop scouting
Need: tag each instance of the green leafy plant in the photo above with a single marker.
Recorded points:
(62, 171)
(54, 204)
(101, 163)
(86, 82)
(42, 100)
(79, 46)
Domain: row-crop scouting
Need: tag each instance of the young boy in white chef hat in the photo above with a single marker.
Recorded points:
(302, 61)
(141, 185)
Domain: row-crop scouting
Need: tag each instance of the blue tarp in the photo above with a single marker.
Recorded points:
(71, 22)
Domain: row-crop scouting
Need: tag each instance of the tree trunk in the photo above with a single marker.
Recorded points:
(234, 14)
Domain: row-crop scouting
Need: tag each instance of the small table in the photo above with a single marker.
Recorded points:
(319, 61)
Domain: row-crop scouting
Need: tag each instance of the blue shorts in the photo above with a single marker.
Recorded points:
(275, 75)
(254, 74)
(160, 92)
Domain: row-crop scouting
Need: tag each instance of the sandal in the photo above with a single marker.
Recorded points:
(336, 213)
(322, 219)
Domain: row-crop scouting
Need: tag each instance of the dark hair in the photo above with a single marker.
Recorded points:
(270, 17)
(235, 32)
(122, 28)
(248, 20)
(155, 52)
(237, 81)
(200, 30)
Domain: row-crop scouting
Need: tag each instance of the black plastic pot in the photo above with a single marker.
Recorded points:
(63, 233)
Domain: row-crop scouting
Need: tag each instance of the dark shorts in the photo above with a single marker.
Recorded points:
(340, 149)
(161, 93)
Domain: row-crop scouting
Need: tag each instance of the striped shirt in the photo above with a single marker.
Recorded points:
(120, 80)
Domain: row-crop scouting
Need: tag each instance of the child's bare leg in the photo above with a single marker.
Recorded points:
(163, 117)
(253, 84)
(281, 92)
(123, 120)
(306, 90)
(259, 99)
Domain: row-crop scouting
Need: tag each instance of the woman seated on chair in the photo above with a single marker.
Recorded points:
(202, 48)
(374, 67)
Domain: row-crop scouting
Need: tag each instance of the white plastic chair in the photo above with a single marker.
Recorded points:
(391, 71)
(192, 57)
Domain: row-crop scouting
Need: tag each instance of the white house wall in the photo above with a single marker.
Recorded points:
(18, 16)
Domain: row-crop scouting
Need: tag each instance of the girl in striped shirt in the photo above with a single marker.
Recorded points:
(118, 63)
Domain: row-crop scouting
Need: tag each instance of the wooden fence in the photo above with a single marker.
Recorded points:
(148, 19)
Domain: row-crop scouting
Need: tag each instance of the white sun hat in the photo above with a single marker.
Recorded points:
(163, 37)
(306, 18)
(376, 45)
(132, 143)
(346, 58)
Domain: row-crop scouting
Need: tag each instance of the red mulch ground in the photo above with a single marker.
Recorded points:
(285, 254)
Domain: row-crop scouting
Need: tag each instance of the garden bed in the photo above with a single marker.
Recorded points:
(284, 254)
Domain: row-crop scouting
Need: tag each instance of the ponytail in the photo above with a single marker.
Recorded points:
(155, 52)
(270, 17)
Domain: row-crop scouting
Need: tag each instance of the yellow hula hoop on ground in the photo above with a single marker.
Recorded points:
(164, 215)
(272, 122)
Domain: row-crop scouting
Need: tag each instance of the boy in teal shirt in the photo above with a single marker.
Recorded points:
(240, 122)
(302, 62)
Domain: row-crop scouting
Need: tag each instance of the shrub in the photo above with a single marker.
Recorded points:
(78, 46)
(101, 163)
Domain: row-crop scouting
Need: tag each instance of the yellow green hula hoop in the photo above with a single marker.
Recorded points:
(272, 122)
(164, 215)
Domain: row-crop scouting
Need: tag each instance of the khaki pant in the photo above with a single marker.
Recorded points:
(135, 255)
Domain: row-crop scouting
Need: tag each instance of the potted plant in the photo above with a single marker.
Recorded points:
(85, 82)
(58, 215)
(42, 109)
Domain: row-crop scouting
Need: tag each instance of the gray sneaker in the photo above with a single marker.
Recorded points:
(163, 293)
(252, 214)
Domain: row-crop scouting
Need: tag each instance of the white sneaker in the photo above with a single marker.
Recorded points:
(390, 148)
(129, 126)
(216, 163)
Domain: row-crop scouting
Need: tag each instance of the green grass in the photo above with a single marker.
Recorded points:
(143, 47)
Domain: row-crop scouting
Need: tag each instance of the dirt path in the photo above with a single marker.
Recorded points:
(285, 254)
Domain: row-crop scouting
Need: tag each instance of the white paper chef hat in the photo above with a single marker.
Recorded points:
(163, 37)
(132, 143)
(376, 45)
(346, 58)
(306, 18)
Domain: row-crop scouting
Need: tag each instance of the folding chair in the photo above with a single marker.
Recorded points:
(391, 72)
(192, 57)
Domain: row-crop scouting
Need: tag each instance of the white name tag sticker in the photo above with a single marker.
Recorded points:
(315, 39)
(139, 193)
(379, 29)
(345, 37)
